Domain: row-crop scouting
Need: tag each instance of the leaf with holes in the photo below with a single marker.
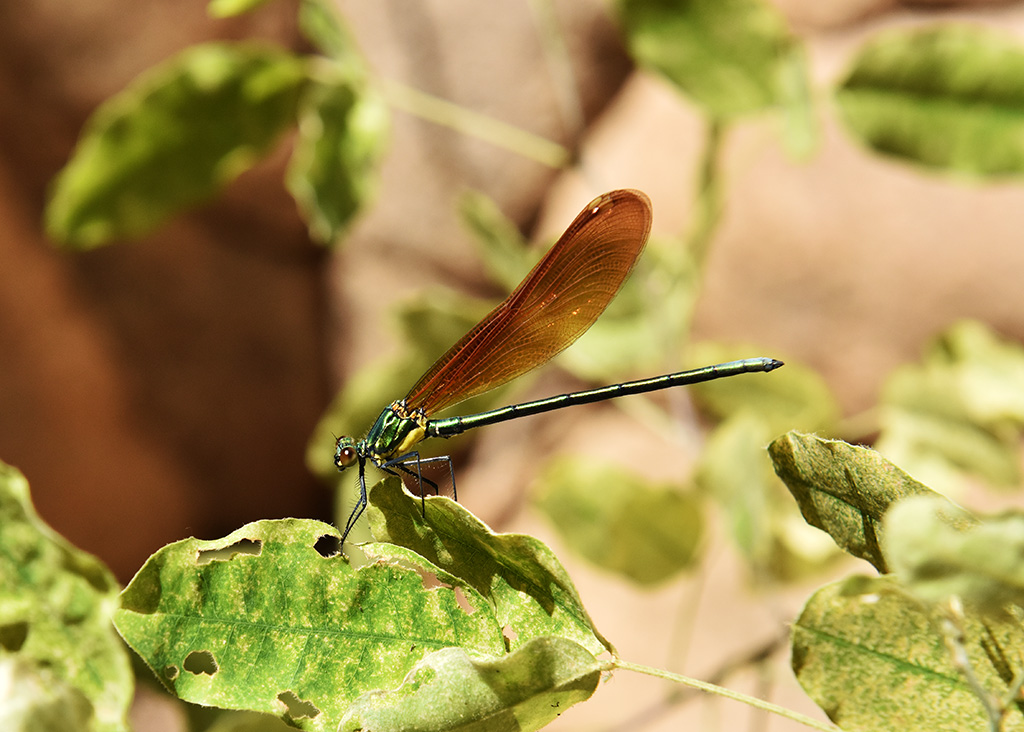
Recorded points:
(530, 591)
(62, 658)
(451, 690)
(873, 658)
(273, 618)
(843, 489)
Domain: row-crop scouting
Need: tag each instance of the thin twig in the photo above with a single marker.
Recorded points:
(726, 693)
(474, 124)
(681, 695)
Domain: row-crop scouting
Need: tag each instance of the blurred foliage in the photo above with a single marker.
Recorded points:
(442, 611)
(61, 664)
(174, 138)
(183, 130)
(939, 551)
(736, 473)
(727, 55)
(644, 532)
(958, 415)
(949, 97)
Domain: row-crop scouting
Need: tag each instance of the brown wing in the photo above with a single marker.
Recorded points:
(558, 301)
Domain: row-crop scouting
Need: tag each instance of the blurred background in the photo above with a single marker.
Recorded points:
(168, 387)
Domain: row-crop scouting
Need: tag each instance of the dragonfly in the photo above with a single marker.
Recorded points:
(560, 298)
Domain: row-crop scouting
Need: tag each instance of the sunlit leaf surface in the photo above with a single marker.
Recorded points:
(874, 659)
(61, 659)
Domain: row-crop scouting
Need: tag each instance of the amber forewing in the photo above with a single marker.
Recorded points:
(558, 301)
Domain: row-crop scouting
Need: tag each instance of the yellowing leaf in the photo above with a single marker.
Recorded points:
(272, 618)
(874, 659)
(62, 660)
(451, 690)
(842, 489)
(529, 589)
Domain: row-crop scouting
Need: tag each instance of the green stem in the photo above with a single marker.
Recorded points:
(559, 64)
(474, 124)
(708, 206)
(727, 693)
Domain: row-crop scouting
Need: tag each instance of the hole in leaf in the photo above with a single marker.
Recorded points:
(429, 579)
(328, 545)
(510, 636)
(13, 635)
(460, 597)
(171, 672)
(297, 708)
(200, 662)
(242, 546)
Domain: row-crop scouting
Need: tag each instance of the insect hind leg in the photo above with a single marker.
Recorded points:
(402, 464)
(451, 473)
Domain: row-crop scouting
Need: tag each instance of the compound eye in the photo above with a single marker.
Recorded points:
(346, 454)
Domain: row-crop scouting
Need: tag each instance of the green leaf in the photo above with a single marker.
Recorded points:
(793, 397)
(323, 27)
(432, 322)
(530, 591)
(949, 97)
(729, 56)
(272, 618)
(959, 413)
(451, 690)
(55, 610)
(35, 699)
(990, 371)
(172, 139)
(342, 131)
(940, 551)
(503, 248)
(734, 469)
(842, 489)
(801, 135)
(873, 659)
(621, 522)
(231, 8)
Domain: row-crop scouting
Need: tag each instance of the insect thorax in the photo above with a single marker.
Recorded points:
(395, 432)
